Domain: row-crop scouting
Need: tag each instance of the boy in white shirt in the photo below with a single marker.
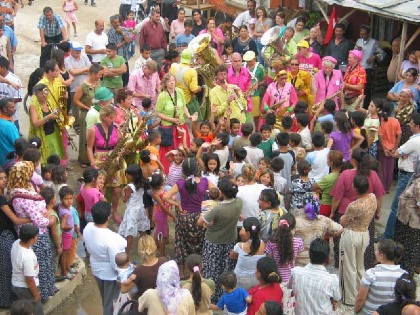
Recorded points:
(305, 134)
(318, 158)
(145, 52)
(25, 272)
(254, 154)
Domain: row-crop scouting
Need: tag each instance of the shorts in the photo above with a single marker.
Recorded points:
(161, 219)
(66, 240)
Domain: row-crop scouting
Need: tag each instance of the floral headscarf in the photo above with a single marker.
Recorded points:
(20, 176)
(168, 287)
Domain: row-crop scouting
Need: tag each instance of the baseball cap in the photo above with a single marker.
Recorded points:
(103, 94)
(76, 46)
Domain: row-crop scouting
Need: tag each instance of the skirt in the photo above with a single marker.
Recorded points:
(42, 250)
(216, 260)
(83, 158)
(373, 149)
(135, 220)
(188, 236)
(6, 295)
(161, 219)
(410, 239)
(70, 17)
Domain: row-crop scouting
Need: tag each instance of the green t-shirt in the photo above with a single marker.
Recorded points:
(266, 146)
(326, 184)
(224, 218)
(114, 82)
(165, 105)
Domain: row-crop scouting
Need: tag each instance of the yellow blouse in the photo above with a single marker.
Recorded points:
(302, 82)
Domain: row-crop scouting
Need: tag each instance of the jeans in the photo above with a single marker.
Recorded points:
(403, 178)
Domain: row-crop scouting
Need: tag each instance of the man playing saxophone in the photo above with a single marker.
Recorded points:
(55, 89)
(225, 95)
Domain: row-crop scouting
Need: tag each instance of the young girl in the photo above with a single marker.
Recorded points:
(59, 179)
(301, 185)
(34, 156)
(268, 288)
(136, 219)
(247, 253)
(340, 139)
(210, 166)
(378, 283)
(88, 196)
(130, 25)
(227, 54)
(175, 157)
(267, 178)
(371, 125)
(389, 140)
(357, 121)
(263, 163)
(240, 180)
(70, 7)
(161, 211)
(201, 289)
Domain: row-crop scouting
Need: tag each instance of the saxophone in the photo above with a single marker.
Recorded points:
(136, 143)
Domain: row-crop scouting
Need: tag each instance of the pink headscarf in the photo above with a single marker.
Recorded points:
(357, 54)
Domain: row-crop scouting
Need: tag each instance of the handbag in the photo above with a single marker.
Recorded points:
(167, 136)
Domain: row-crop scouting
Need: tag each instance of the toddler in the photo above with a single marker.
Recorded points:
(130, 25)
(214, 195)
(125, 269)
(59, 179)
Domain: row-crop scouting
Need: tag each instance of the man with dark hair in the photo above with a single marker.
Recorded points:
(114, 69)
(9, 33)
(407, 155)
(186, 36)
(8, 130)
(340, 46)
(315, 289)
(119, 36)
(103, 245)
(52, 31)
(25, 280)
(153, 34)
(244, 17)
(9, 91)
(225, 96)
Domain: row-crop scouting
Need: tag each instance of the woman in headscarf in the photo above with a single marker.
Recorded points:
(329, 81)
(354, 79)
(407, 227)
(27, 203)
(403, 112)
(168, 297)
(43, 124)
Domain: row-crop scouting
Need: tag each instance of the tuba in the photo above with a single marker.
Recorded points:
(271, 38)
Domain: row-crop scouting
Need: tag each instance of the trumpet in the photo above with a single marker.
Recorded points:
(237, 99)
(61, 122)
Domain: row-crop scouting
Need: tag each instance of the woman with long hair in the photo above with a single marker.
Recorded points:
(192, 188)
(172, 110)
(301, 33)
(270, 214)
(244, 42)
(216, 34)
(34, 78)
(177, 26)
(247, 252)
(82, 99)
(262, 24)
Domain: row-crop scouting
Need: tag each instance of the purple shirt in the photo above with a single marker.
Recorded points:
(326, 86)
(61, 212)
(192, 202)
(342, 142)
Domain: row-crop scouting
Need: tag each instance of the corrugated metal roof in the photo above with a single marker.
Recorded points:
(408, 10)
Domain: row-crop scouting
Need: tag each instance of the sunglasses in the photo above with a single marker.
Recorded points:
(294, 64)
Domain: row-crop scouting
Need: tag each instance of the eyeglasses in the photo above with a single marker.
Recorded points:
(294, 64)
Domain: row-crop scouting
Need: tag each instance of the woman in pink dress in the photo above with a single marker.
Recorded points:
(216, 34)
(329, 81)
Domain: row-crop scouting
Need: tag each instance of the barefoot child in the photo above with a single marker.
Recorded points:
(70, 7)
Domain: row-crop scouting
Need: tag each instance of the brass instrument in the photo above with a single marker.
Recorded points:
(201, 49)
(271, 38)
(237, 99)
(137, 142)
(321, 103)
(61, 102)
(61, 122)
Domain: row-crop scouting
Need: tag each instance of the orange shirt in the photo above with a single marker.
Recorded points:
(388, 131)
(208, 138)
(153, 150)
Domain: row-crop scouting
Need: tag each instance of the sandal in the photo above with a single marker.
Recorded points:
(69, 168)
(83, 165)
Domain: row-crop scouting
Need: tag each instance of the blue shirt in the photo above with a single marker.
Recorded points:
(51, 29)
(234, 301)
(145, 114)
(182, 38)
(8, 135)
(9, 33)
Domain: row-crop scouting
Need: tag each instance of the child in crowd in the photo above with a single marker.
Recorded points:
(130, 26)
(240, 180)
(268, 288)
(305, 134)
(295, 146)
(287, 123)
(301, 185)
(267, 178)
(148, 112)
(125, 269)
(372, 124)
(88, 196)
(280, 183)
(46, 175)
(196, 144)
(227, 54)
(25, 268)
(219, 145)
(270, 119)
(70, 7)
(318, 158)
(33, 155)
(145, 53)
(204, 132)
(59, 179)
(286, 155)
(326, 128)
(154, 139)
(357, 121)
(243, 140)
(76, 236)
(263, 164)
(324, 186)
(341, 138)
(54, 230)
(161, 211)
(209, 163)
(271, 214)
(53, 160)
(136, 218)
(201, 289)
(175, 157)
(235, 299)
(283, 247)
(327, 114)
(67, 228)
(214, 196)
(234, 127)
(254, 154)
(301, 107)
(235, 166)
(267, 144)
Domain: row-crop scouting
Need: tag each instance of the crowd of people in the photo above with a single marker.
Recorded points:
(260, 164)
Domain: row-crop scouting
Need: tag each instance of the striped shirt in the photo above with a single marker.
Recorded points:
(174, 174)
(381, 281)
(285, 270)
(313, 287)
